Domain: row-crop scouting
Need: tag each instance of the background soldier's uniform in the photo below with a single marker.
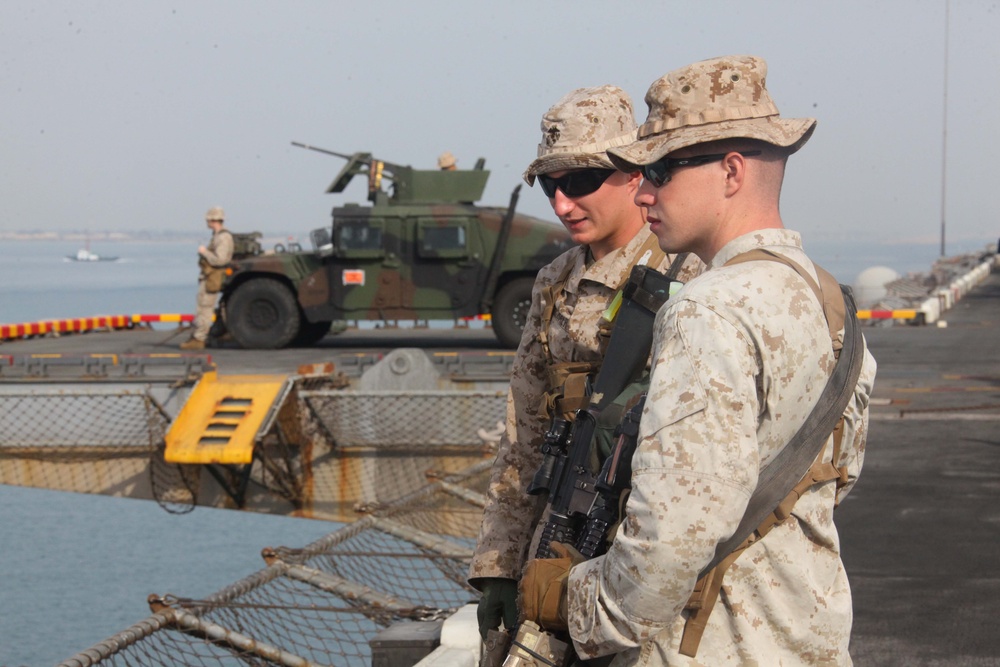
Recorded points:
(740, 356)
(219, 252)
(511, 516)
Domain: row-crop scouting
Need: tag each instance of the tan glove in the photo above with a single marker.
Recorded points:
(543, 587)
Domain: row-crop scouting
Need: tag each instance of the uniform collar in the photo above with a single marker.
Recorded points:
(608, 269)
(762, 238)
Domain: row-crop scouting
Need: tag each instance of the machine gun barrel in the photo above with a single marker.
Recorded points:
(322, 150)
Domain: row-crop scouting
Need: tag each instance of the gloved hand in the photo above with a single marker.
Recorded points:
(543, 587)
(499, 602)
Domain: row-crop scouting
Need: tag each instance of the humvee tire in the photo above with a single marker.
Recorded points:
(510, 311)
(311, 333)
(263, 313)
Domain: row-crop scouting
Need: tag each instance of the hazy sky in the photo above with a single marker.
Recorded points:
(140, 115)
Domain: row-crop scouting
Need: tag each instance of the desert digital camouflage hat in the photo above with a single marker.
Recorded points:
(215, 213)
(580, 127)
(722, 98)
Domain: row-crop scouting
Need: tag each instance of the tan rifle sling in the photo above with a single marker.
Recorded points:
(706, 591)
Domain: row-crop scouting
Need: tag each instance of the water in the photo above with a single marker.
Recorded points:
(38, 282)
(77, 569)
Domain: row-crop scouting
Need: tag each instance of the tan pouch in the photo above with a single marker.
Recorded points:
(214, 279)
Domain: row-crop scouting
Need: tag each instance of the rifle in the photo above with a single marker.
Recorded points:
(565, 472)
(532, 646)
(583, 504)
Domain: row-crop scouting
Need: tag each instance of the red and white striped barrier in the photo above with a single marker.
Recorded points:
(84, 324)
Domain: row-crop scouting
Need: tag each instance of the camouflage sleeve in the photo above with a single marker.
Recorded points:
(852, 447)
(510, 515)
(220, 250)
(693, 474)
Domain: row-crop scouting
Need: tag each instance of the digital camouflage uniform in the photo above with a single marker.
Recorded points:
(511, 516)
(218, 253)
(740, 357)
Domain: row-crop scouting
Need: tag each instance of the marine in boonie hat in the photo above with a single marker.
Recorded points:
(721, 98)
(215, 213)
(579, 129)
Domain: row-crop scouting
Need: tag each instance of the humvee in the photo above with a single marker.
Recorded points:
(421, 251)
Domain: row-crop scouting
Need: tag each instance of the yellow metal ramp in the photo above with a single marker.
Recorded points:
(221, 418)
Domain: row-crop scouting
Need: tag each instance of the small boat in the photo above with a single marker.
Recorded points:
(84, 255)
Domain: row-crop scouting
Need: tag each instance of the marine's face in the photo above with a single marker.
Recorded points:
(603, 219)
(683, 212)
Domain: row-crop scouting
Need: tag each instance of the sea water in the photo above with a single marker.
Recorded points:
(76, 569)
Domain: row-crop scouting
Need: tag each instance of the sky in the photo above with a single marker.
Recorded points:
(129, 116)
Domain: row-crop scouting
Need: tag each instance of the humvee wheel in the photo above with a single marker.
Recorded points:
(262, 314)
(510, 311)
(311, 333)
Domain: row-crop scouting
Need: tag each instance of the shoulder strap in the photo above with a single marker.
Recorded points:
(782, 482)
(649, 254)
(786, 469)
(827, 291)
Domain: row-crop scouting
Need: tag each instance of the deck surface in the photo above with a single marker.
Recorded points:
(920, 532)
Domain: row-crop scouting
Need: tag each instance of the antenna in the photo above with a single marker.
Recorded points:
(944, 129)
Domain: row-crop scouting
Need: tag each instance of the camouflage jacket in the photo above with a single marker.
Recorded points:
(511, 515)
(219, 250)
(740, 356)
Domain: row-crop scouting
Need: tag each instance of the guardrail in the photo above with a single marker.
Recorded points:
(84, 324)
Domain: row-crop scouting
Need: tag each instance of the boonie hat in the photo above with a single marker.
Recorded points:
(446, 160)
(579, 129)
(721, 98)
(215, 213)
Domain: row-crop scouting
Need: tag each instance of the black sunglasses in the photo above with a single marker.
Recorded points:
(576, 183)
(658, 173)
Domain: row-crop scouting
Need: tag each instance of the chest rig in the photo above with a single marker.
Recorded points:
(568, 381)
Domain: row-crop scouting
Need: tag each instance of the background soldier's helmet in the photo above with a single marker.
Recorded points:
(580, 127)
(215, 213)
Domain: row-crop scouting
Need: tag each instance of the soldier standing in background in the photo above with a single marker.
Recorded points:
(741, 356)
(561, 349)
(212, 260)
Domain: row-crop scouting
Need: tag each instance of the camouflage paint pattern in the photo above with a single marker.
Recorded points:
(511, 516)
(710, 100)
(741, 355)
(407, 258)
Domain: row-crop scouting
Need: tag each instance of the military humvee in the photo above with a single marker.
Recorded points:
(421, 251)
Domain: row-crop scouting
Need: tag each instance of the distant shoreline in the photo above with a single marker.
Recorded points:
(268, 238)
